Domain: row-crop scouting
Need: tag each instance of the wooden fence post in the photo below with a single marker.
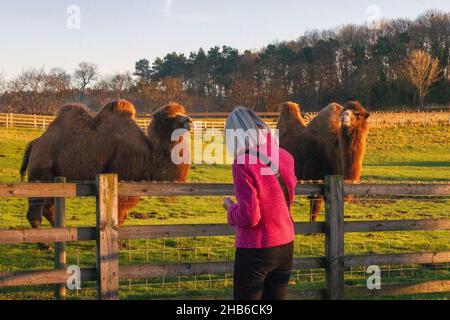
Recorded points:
(107, 237)
(334, 236)
(60, 247)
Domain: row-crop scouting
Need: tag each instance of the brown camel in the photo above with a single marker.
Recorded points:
(290, 124)
(333, 143)
(79, 146)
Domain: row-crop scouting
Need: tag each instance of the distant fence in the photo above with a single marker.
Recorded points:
(108, 272)
(217, 120)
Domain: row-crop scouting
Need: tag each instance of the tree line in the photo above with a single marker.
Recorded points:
(402, 63)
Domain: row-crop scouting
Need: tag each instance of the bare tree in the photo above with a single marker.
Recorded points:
(58, 80)
(85, 74)
(421, 70)
(33, 80)
(30, 89)
(243, 92)
(121, 82)
(2, 82)
(117, 84)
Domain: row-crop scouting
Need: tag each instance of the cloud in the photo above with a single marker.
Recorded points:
(197, 18)
(167, 7)
(189, 17)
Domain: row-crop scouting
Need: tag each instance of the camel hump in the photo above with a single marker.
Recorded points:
(290, 115)
(74, 109)
(121, 107)
(289, 107)
(335, 108)
(328, 120)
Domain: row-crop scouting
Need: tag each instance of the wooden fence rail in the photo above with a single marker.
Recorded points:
(205, 121)
(108, 273)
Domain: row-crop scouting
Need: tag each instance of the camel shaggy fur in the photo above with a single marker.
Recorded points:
(291, 122)
(333, 143)
(79, 146)
(290, 125)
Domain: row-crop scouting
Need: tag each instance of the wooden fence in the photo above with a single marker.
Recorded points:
(217, 120)
(108, 272)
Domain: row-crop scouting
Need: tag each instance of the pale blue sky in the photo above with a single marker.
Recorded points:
(115, 34)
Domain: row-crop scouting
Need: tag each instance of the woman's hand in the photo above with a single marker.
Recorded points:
(227, 203)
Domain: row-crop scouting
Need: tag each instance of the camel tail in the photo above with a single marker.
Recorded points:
(25, 161)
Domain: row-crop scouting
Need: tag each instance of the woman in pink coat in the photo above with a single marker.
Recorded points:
(264, 183)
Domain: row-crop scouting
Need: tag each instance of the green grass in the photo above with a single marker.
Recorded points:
(393, 155)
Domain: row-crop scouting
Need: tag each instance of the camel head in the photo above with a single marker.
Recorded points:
(354, 115)
(290, 118)
(167, 120)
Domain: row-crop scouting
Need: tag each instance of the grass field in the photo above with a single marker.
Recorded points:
(393, 155)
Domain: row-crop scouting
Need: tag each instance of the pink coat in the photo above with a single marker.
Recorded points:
(261, 216)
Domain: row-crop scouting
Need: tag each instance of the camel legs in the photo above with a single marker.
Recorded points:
(125, 205)
(34, 213)
(37, 208)
(49, 213)
(316, 208)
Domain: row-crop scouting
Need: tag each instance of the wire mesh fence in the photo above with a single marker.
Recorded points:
(217, 249)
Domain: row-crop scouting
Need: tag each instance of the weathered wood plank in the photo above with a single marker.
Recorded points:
(159, 189)
(391, 190)
(396, 259)
(38, 190)
(107, 237)
(191, 269)
(47, 235)
(334, 236)
(167, 270)
(308, 263)
(174, 231)
(400, 225)
(47, 190)
(171, 189)
(312, 294)
(308, 228)
(60, 247)
(200, 230)
(40, 277)
(398, 289)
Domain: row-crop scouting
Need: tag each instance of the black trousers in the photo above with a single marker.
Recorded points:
(263, 274)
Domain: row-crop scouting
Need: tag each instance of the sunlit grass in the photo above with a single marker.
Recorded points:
(393, 155)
